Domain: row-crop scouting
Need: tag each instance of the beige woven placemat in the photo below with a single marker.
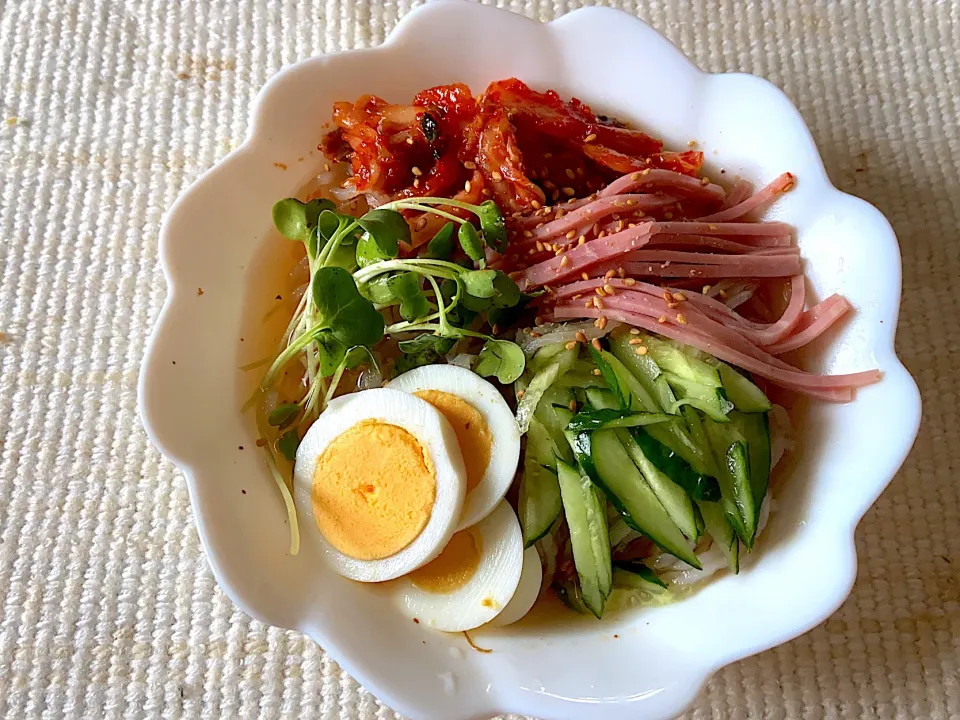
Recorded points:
(109, 109)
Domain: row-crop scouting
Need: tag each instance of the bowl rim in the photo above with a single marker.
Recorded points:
(898, 373)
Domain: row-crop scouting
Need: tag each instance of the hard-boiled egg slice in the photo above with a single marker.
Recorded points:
(471, 581)
(486, 431)
(528, 590)
(379, 483)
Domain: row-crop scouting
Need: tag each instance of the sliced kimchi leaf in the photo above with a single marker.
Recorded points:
(686, 163)
(572, 122)
(388, 145)
(500, 162)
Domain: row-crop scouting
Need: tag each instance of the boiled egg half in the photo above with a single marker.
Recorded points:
(383, 482)
(486, 431)
(471, 581)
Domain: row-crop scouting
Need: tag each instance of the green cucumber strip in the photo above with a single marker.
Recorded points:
(598, 399)
(544, 356)
(626, 580)
(539, 384)
(698, 485)
(674, 359)
(675, 436)
(755, 428)
(609, 466)
(738, 463)
(729, 447)
(674, 498)
(707, 399)
(575, 378)
(745, 396)
(699, 515)
(555, 399)
(645, 369)
(630, 394)
(722, 532)
(641, 570)
(539, 505)
(569, 594)
(611, 418)
(698, 437)
(589, 541)
(666, 461)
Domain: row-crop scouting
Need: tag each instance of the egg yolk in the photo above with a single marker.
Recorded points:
(452, 568)
(473, 435)
(373, 490)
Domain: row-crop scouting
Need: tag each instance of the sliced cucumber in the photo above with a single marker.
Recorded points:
(674, 498)
(540, 383)
(708, 399)
(675, 436)
(628, 393)
(722, 532)
(672, 358)
(738, 463)
(600, 398)
(612, 418)
(755, 429)
(606, 461)
(645, 369)
(698, 485)
(539, 505)
(673, 495)
(699, 516)
(745, 396)
(553, 399)
(627, 390)
(640, 572)
(626, 580)
(698, 437)
(544, 356)
(570, 595)
(575, 378)
(588, 536)
(729, 447)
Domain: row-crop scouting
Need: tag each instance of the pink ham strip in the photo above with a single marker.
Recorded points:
(767, 195)
(578, 258)
(712, 243)
(776, 251)
(657, 307)
(581, 220)
(739, 191)
(750, 266)
(694, 233)
(838, 388)
(708, 258)
(813, 323)
(745, 231)
(759, 334)
(665, 180)
(529, 222)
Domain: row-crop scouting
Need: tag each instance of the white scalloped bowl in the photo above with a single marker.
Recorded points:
(805, 563)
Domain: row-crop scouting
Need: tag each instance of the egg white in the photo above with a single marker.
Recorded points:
(505, 435)
(528, 590)
(495, 580)
(438, 439)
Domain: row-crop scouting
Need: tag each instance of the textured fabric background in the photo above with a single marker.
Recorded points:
(109, 109)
